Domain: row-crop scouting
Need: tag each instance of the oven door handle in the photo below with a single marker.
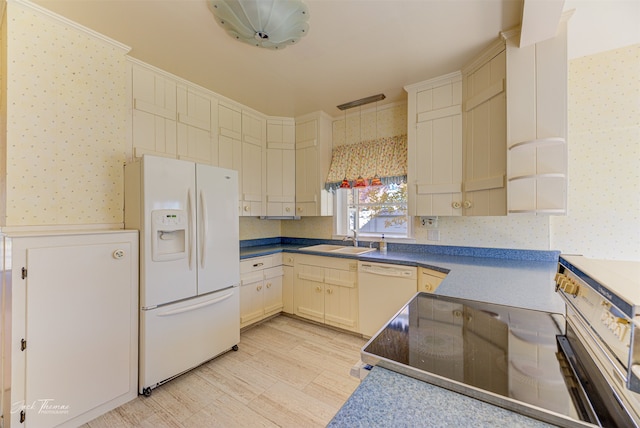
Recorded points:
(575, 381)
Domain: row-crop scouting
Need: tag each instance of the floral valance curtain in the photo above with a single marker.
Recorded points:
(384, 157)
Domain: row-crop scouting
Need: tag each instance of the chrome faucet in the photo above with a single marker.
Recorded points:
(353, 238)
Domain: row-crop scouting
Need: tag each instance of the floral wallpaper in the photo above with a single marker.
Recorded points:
(67, 130)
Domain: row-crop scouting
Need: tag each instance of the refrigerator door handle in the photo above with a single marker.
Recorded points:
(196, 306)
(204, 221)
(192, 229)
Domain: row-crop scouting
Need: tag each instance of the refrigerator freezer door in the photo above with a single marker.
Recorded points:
(168, 184)
(180, 336)
(218, 236)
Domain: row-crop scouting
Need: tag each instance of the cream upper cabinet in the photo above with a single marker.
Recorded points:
(194, 136)
(230, 141)
(434, 122)
(171, 117)
(537, 124)
(485, 126)
(313, 158)
(253, 164)
(281, 167)
(515, 127)
(154, 112)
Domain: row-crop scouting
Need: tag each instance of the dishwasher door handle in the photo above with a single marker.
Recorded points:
(386, 271)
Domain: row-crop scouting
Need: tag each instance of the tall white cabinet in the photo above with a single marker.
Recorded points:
(281, 167)
(253, 169)
(537, 124)
(515, 127)
(69, 325)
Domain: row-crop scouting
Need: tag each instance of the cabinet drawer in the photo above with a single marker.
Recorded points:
(255, 264)
(273, 272)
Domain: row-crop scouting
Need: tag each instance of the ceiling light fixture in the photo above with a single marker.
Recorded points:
(362, 101)
(271, 24)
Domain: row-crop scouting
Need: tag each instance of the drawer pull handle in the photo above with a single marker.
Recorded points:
(257, 264)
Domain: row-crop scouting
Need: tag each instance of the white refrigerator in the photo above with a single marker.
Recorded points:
(187, 215)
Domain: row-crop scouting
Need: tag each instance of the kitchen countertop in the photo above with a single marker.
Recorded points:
(389, 399)
(510, 277)
(519, 278)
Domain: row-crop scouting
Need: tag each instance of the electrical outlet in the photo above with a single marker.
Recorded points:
(433, 235)
(430, 222)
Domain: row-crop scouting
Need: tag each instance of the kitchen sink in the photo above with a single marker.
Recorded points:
(353, 250)
(328, 248)
(324, 248)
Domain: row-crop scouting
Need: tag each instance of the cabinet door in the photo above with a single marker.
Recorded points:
(251, 298)
(194, 126)
(438, 150)
(229, 142)
(429, 280)
(287, 289)
(308, 292)
(253, 164)
(280, 176)
(485, 140)
(273, 290)
(306, 178)
(341, 298)
(79, 328)
(154, 113)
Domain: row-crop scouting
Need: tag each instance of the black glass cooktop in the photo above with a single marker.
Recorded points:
(500, 354)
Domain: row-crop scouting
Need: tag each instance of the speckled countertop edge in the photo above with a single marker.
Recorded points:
(389, 399)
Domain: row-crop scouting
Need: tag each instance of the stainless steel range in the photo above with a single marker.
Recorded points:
(574, 369)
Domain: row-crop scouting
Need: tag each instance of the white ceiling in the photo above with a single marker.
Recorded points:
(354, 48)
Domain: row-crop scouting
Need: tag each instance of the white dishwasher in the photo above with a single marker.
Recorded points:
(383, 290)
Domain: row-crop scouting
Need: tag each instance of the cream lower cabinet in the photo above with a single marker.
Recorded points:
(288, 261)
(325, 290)
(429, 279)
(260, 288)
(69, 327)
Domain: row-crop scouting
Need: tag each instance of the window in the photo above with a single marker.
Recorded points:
(373, 211)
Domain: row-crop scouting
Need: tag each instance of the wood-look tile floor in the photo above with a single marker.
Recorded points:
(286, 373)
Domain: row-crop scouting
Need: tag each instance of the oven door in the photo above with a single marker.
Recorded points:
(596, 395)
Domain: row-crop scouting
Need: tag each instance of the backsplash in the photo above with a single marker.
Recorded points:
(67, 130)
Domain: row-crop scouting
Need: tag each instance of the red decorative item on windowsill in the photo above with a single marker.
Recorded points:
(375, 181)
(360, 182)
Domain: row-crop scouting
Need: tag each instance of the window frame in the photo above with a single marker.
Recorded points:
(341, 219)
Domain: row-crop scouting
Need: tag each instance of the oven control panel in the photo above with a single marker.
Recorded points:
(599, 315)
